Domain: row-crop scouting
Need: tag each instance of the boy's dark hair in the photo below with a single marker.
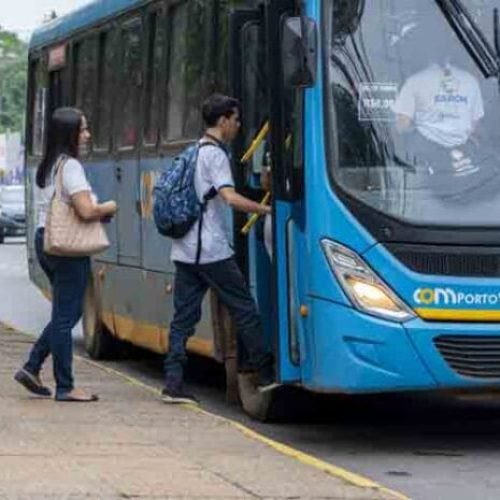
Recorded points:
(217, 106)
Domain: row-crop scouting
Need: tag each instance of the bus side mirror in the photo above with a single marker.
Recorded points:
(299, 50)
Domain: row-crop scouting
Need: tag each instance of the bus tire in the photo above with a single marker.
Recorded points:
(2, 235)
(98, 340)
(260, 406)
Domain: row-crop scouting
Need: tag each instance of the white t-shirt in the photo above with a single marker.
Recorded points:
(74, 181)
(212, 170)
(443, 104)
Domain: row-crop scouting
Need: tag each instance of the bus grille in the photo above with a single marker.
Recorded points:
(442, 261)
(471, 356)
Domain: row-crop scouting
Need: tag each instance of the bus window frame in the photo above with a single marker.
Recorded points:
(135, 18)
(164, 141)
(33, 62)
(246, 135)
(149, 56)
(60, 70)
(36, 58)
(87, 36)
(109, 30)
(167, 145)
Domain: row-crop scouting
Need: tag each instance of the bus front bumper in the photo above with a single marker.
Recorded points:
(352, 352)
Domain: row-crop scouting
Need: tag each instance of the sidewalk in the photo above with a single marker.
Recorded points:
(129, 445)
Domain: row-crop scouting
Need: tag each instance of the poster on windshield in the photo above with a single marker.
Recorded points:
(376, 101)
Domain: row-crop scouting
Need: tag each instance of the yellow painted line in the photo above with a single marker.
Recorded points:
(305, 458)
(459, 314)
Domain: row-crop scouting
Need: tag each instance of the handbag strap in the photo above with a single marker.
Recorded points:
(58, 179)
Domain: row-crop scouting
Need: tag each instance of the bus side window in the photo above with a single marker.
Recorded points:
(84, 76)
(38, 85)
(103, 123)
(130, 84)
(187, 67)
(154, 65)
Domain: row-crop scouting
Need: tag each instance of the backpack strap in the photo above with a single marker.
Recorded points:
(210, 195)
(200, 230)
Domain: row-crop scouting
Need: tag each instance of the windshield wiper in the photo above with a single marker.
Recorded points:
(471, 36)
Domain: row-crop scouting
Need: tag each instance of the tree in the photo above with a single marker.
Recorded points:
(13, 71)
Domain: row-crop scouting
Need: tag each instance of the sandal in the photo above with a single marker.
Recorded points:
(32, 383)
(68, 398)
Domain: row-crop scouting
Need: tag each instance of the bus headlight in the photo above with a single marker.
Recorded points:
(367, 292)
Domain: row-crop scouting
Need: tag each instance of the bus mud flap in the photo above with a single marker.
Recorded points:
(225, 346)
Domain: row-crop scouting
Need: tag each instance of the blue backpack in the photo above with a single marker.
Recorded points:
(176, 206)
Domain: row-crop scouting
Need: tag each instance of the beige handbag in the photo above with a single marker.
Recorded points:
(66, 233)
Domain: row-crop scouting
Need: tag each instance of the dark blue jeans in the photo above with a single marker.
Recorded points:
(68, 277)
(191, 283)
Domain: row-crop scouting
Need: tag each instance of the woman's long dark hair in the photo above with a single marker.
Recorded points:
(62, 138)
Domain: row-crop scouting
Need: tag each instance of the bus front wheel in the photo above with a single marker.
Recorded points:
(99, 342)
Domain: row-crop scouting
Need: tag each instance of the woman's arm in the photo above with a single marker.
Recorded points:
(90, 211)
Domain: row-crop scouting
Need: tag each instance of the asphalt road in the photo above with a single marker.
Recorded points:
(428, 446)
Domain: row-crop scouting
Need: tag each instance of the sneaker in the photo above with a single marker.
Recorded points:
(266, 381)
(266, 378)
(178, 397)
(32, 383)
(268, 387)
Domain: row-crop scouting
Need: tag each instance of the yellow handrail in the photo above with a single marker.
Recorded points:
(246, 157)
(256, 143)
(255, 217)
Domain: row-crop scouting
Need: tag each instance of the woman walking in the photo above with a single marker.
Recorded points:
(68, 276)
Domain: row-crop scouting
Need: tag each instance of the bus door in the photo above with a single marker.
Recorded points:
(271, 277)
(127, 133)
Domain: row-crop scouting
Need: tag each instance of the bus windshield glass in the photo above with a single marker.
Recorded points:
(414, 108)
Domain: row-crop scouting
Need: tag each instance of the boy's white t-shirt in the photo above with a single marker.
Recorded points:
(212, 170)
(444, 105)
(74, 181)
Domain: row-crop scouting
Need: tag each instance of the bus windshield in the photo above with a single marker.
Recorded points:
(413, 105)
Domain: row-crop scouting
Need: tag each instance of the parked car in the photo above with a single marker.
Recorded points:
(12, 211)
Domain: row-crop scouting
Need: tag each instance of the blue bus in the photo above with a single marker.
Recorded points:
(380, 121)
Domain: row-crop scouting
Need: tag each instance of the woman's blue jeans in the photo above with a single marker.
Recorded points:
(68, 277)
